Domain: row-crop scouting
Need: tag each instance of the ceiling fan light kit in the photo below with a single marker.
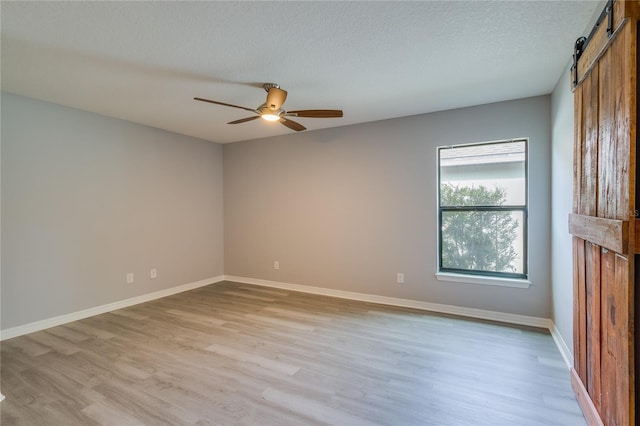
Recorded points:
(269, 116)
(272, 109)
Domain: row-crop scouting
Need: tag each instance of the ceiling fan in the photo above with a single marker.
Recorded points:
(272, 109)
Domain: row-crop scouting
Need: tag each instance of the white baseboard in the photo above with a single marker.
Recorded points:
(406, 303)
(562, 346)
(63, 319)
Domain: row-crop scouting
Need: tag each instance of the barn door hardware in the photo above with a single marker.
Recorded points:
(609, 11)
(582, 42)
(578, 48)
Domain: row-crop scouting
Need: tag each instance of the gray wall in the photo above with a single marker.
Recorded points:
(561, 204)
(86, 199)
(349, 207)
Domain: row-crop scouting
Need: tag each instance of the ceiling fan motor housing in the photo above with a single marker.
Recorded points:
(275, 96)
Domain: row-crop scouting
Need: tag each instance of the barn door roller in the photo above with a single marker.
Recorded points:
(582, 42)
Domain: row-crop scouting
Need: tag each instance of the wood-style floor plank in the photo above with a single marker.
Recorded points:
(237, 354)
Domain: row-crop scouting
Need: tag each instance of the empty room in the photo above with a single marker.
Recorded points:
(318, 213)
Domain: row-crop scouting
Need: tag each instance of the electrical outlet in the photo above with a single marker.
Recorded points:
(130, 278)
(400, 278)
(153, 273)
(276, 264)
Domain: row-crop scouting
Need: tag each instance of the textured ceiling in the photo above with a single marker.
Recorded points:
(145, 61)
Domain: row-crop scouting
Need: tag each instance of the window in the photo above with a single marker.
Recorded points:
(483, 209)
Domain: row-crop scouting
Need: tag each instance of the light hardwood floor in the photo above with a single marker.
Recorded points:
(232, 353)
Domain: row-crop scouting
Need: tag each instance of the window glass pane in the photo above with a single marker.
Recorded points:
(483, 175)
(491, 241)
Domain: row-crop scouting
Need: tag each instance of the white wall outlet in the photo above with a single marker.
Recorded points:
(130, 278)
(400, 278)
(153, 273)
(276, 264)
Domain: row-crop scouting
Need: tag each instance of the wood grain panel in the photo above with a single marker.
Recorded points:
(580, 347)
(624, 9)
(619, 114)
(608, 171)
(633, 10)
(578, 134)
(589, 178)
(616, 396)
(611, 234)
(592, 281)
(577, 309)
(622, 344)
(632, 95)
(608, 361)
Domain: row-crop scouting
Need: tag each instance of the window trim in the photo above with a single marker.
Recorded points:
(483, 280)
(510, 279)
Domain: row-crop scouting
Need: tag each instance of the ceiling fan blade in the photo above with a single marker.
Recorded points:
(243, 120)
(292, 124)
(317, 113)
(275, 98)
(225, 104)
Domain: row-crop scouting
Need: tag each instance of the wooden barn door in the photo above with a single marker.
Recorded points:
(603, 223)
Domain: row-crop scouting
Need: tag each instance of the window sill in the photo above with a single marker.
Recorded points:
(477, 279)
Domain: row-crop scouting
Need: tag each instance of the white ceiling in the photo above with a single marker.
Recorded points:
(145, 61)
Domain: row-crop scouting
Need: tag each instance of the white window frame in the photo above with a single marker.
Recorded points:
(485, 277)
